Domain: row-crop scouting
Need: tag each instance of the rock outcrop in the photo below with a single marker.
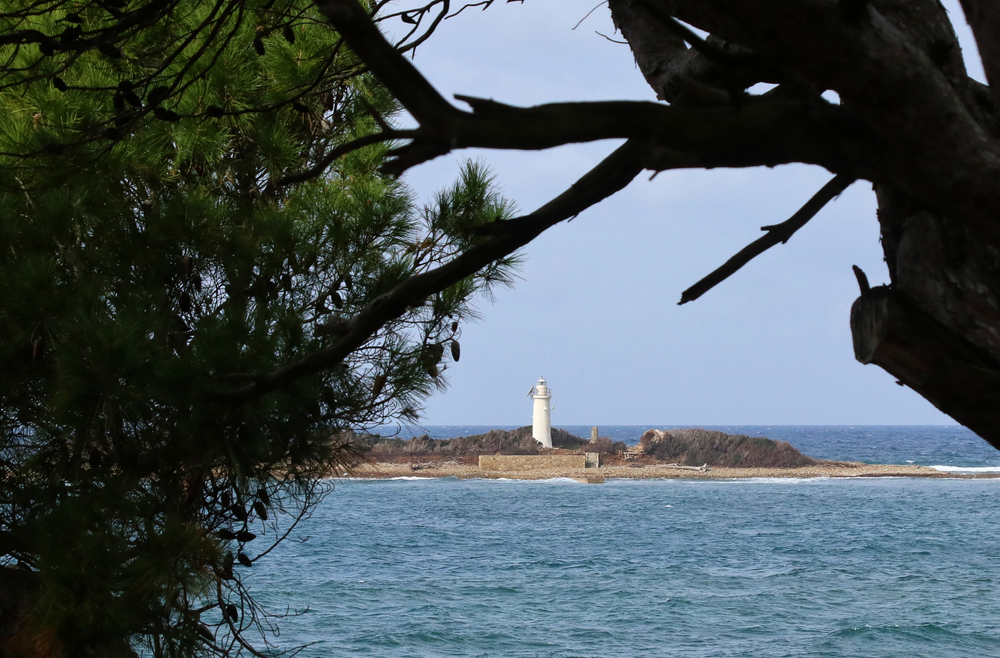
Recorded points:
(694, 447)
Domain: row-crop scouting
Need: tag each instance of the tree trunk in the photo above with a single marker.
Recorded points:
(957, 377)
(937, 327)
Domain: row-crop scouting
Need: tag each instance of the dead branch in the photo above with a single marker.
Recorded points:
(777, 234)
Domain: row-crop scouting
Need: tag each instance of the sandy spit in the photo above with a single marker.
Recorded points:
(383, 470)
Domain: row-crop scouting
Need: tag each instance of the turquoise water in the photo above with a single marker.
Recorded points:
(861, 567)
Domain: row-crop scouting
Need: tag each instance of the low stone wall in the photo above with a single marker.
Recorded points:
(506, 463)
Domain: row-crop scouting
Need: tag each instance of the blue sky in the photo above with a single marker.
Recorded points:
(595, 309)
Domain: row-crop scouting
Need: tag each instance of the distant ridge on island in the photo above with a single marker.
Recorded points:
(675, 453)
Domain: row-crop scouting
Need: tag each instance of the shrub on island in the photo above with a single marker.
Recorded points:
(605, 446)
(504, 442)
(690, 447)
(694, 447)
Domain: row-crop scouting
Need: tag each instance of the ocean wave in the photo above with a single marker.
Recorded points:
(529, 480)
(925, 632)
(555, 481)
(772, 480)
(405, 478)
(967, 469)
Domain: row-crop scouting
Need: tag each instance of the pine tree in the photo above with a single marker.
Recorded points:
(186, 319)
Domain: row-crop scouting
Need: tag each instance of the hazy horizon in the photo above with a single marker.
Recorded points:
(669, 425)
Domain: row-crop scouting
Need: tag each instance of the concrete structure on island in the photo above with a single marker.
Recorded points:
(515, 463)
(541, 418)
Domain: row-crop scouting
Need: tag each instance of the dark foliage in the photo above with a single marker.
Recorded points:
(694, 447)
(187, 319)
(504, 442)
(605, 446)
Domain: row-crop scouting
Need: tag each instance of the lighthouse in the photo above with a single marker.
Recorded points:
(541, 420)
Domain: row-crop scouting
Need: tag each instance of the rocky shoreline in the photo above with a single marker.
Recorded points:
(454, 468)
(687, 453)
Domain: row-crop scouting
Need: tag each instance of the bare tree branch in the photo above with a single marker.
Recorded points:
(397, 73)
(353, 145)
(940, 153)
(768, 131)
(777, 234)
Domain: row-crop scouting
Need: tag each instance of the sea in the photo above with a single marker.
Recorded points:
(866, 567)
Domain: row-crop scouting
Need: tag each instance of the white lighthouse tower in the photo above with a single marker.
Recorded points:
(541, 420)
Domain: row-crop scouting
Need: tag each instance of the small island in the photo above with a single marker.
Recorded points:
(660, 454)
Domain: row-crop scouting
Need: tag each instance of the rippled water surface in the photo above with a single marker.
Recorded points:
(866, 567)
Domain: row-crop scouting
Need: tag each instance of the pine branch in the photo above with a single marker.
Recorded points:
(611, 175)
(324, 163)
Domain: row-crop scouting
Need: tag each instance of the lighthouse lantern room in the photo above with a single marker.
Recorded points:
(541, 419)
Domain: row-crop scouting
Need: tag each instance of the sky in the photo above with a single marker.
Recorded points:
(594, 309)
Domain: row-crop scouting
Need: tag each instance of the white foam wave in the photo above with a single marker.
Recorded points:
(557, 481)
(533, 480)
(357, 478)
(766, 480)
(967, 469)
